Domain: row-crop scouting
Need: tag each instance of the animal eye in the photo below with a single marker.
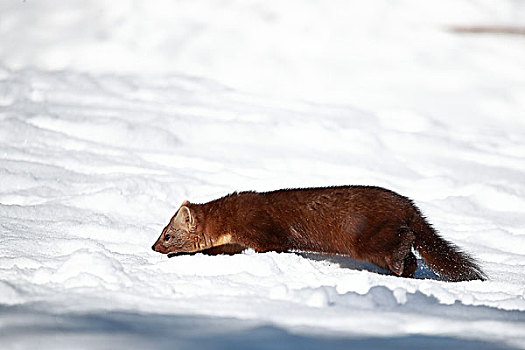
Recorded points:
(167, 238)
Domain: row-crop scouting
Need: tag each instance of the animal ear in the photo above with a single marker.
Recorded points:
(184, 218)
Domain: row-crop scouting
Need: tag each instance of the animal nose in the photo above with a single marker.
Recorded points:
(153, 247)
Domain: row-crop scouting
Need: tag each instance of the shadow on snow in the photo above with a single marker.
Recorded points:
(346, 262)
(118, 330)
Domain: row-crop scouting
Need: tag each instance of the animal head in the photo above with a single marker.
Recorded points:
(180, 234)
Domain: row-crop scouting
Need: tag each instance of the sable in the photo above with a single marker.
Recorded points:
(368, 223)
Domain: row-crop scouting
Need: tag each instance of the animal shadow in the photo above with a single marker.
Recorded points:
(345, 262)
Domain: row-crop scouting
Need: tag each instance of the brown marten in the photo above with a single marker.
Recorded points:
(372, 224)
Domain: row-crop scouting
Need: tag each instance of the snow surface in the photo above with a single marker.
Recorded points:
(112, 114)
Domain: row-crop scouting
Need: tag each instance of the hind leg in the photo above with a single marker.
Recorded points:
(389, 247)
(401, 261)
(410, 265)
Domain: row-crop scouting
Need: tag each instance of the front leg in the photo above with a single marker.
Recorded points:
(227, 249)
(263, 234)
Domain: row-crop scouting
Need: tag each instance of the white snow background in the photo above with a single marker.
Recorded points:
(114, 112)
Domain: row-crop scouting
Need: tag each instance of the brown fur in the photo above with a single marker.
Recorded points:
(367, 223)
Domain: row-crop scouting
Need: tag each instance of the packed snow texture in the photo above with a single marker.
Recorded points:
(113, 113)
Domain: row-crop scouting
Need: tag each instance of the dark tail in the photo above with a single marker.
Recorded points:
(444, 258)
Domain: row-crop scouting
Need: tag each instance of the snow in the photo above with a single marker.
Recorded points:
(112, 114)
